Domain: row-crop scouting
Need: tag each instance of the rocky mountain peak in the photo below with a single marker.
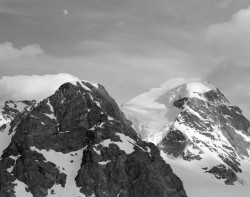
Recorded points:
(77, 142)
(195, 124)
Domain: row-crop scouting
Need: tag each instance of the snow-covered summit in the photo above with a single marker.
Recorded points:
(191, 85)
(195, 127)
(155, 108)
(183, 88)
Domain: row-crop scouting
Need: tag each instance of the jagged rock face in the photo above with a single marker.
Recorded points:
(9, 109)
(76, 143)
(222, 128)
(207, 128)
(223, 172)
(174, 143)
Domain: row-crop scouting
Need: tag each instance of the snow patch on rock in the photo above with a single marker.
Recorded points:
(69, 164)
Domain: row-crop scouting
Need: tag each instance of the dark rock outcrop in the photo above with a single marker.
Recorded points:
(9, 109)
(209, 117)
(194, 121)
(223, 172)
(174, 143)
(83, 118)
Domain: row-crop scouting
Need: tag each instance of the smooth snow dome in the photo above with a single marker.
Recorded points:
(155, 108)
(200, 87)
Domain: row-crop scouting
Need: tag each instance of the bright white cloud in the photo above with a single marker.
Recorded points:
(31, 87)
(231, 38)
(106, 65)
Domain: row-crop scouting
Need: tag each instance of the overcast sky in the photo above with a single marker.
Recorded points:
(128, 46)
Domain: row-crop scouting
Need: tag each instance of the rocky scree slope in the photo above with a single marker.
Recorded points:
(194, 122)
(78, 143)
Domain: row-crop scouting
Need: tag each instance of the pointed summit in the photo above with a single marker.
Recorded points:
(195, 127)
(77, 142)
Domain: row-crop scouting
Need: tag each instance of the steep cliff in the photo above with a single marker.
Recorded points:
(77, 142)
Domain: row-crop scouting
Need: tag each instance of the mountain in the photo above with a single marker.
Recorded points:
(198, 132)
(9, 109)
(77, 143)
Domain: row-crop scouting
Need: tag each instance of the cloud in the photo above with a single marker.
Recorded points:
(8, 51)
(230, 43)
(231, 39)
(26, 60)
(172, 83)
(105, 62)
(36, 87)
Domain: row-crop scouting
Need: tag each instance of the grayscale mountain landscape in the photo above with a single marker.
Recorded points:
(124, 98)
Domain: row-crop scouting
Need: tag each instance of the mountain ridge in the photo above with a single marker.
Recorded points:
(194, 126)
(77, 142)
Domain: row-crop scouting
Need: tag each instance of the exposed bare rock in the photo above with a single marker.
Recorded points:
(76, 143)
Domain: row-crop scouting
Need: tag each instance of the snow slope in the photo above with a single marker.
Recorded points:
(200, 134)
(69, 163)
(5, 138)
(155, 110)
(199, 184)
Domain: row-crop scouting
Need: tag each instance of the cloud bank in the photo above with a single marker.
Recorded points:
(230, 43)
(31, 87)
(231, 39)
(149, 57)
